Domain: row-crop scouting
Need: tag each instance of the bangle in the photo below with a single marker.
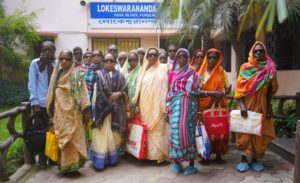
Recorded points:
(205, 93)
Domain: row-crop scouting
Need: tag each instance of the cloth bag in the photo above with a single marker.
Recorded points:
(51, 150)
(137, 139)
(253, 124)
(216, 123)
(202, 141)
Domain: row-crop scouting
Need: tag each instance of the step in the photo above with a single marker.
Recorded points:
(285, 148)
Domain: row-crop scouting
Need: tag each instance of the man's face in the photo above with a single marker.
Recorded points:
(87, 59)
(113, 50)
(259, 53)
(97, 57)
(78, 55)
(172, 52)
(48, 52)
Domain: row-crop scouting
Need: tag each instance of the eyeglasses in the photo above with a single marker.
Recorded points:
(172, 50)
(197, 57)
(163, 58)
(132, 60)
(122, 58)
(112, 50)
(96, 55)
(47, 50)
(109, 61)
(261, 51)
(182, 56)
(213, 57)
(77, 53)
(87, 56)
(153, 55)
(66, 59)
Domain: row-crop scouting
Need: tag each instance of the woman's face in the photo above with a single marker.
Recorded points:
(163, 58)
(152, 57)
(199, 58)
(109, 62)
(97, 57)
(87, 59)
(65, 61)
(212, 59)
(132, 60)
(182, 58)
(259, 52)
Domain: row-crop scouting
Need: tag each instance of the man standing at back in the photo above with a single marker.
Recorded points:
(40, 71)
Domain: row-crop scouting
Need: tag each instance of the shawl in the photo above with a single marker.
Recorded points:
(106, 85)
(76, 79)
(253, 74)
(216, 80)
(184, 82)
(132, 76)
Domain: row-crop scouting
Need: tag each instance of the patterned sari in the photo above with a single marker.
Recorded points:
(68, 98)
(110, 119)
(182, 108)
(257, 84)
(214, 81)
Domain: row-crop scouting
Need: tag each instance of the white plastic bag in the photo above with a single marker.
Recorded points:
(202, 141)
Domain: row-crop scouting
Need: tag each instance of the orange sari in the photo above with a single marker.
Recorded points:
(215, 81)
(255, 99)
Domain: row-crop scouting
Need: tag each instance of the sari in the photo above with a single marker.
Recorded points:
(131, 77)
(110, 119)
(256, 84)
(150, 96)
(182, 108)
(215, 81)
(67, 99)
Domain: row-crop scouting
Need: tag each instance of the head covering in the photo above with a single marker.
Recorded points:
(192, 61)
(254, 74)
(132, 76)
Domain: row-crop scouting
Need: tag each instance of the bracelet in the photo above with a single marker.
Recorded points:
(205, 93)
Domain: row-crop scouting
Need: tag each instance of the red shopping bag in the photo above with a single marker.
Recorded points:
(137, 138)
(216, 123)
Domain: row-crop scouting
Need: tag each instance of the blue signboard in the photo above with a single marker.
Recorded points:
(123, 14)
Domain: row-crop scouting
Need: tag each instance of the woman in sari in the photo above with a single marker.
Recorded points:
(182, 107)
(255, 87)
(130, 71)
(109, 123)
(67, 102)
(214, 90)
(197, 60)
(150, 101)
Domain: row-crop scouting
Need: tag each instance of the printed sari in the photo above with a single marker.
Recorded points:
(257, 84)
(215, 81)
(110, 119)
(67, 99)
(182, 108)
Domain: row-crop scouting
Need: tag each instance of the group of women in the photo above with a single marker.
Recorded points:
(169, 100)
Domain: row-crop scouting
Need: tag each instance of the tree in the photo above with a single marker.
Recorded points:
(201, 18)
(17, 31)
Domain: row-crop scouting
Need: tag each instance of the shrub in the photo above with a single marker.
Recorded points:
(12, 94)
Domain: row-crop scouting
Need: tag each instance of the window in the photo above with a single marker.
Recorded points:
(123, 44)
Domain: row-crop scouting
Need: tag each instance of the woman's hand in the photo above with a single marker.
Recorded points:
(218, 95)
(137, 110)
(243, 108)
(86, 117)
(115, 96)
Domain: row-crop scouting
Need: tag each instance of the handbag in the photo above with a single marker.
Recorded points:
(253, 124)
(216, 123)
(202, 141)
(137, 139)
(51, 149)
(35, 135)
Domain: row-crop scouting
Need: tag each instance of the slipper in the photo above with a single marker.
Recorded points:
(242, 167)
(257, 166)
(190, 170)
(177, 168)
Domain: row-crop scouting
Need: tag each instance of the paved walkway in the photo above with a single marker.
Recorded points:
(132, 171)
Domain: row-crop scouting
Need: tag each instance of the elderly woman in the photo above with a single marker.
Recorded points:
(255, 87)
(67, 102)
(131, 72)
(182, 102)
(150, 97)
(109, 123)
(215, 87)
(197, 60)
